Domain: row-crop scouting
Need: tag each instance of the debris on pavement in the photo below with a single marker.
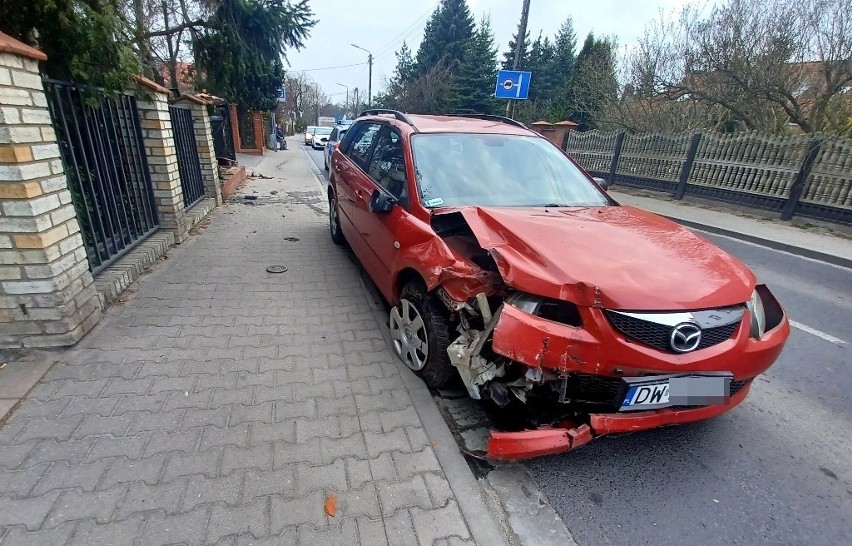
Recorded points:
(331, 505)
(291, 239)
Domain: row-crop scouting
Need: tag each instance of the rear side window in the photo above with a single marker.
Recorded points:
(362, 145)
(333, 135)
(346, 141)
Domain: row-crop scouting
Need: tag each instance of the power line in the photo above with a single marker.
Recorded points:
(326, 67)
(406, 32)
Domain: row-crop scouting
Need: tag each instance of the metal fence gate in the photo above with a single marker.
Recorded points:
(189, 165)
(220, 124)
(107, 170)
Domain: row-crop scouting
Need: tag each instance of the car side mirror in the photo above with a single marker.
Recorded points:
(602, 182)
(381, 203)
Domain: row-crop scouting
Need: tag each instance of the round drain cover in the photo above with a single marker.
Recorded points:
(276, 269)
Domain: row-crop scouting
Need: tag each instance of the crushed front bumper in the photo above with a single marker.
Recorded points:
(599, 350)
(528, 444)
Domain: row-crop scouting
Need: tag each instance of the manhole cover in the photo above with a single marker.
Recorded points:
(276, 269)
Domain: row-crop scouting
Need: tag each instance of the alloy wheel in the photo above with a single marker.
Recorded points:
(409, 335)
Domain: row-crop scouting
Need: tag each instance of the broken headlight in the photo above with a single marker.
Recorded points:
(563, 312)
(758, 315)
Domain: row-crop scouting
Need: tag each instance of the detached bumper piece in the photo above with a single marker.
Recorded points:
(528, 444)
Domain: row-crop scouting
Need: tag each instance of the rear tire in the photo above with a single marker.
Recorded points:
(325, 161)
(408, 333)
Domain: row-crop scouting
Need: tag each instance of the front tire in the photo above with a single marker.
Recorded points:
(325, 161)
(334, 220)
(420, 332)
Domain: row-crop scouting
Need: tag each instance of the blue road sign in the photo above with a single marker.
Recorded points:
(513, 84)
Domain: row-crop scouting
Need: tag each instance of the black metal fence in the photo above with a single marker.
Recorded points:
(220, 124)
(106, 166)
(189, 164)
(805, 175)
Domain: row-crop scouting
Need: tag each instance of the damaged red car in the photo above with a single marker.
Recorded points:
(506, 265)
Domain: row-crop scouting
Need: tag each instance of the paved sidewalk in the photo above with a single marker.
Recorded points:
(222, 404)
(771, 233)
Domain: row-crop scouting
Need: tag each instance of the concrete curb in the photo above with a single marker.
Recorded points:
(471, 499)
(314, 169)
(769, 243)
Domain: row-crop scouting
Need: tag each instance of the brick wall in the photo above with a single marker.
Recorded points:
(47, 296)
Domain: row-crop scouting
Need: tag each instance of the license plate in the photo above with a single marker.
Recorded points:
(648, 393)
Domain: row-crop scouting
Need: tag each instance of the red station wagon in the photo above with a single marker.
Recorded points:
(508, 266)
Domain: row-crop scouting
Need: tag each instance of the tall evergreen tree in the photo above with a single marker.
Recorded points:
(564, 44)
(562, 70)
(593, 82)
(242, 58)
(509, 55)
(473, 87)
(446, 36)
(398, 87)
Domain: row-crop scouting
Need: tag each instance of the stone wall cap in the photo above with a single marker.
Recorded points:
(11, 45)
(150, 84)
(191, 98)
(541, 122)
(567, 123)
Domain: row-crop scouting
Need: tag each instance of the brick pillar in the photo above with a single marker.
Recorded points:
(204, 144)
(257, 123)
(47, 296)
(160, 147)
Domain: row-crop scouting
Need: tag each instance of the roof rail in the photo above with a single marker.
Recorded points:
(396, 113)
(489, 117)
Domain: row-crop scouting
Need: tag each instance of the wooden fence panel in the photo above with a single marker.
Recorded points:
(654, 155)
(592, 149)
(749, 162)
(830, 180)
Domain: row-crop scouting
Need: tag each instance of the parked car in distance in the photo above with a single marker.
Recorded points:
(320, 137)
(334, 138)
(507, 266)
(309, 134)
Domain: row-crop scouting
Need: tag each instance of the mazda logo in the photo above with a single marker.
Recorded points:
(685, 337)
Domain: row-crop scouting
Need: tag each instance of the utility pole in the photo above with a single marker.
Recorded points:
(369, 79)
(519, 46)
(370, 73)
(357, 105)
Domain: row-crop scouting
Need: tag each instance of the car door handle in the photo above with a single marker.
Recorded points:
(358, 194)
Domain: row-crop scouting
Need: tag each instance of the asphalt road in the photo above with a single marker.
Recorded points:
(776, 470)
(316, 155)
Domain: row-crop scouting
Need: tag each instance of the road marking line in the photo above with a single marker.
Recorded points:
(814, 332)
(749, 243)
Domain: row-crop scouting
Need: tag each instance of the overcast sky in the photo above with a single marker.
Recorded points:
(381, 26)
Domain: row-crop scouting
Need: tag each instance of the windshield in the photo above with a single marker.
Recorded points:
(460, 169)
(322, 131)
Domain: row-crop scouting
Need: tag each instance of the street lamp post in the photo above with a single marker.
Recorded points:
(347, 97)
(370, 80)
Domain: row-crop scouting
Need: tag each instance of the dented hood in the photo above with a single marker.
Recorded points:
(616, 257)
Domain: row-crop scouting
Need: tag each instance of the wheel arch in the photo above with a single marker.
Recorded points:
(403, 277)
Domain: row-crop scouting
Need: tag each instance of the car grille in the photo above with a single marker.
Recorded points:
(737, 386)
(657, 335)
(594, 388)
